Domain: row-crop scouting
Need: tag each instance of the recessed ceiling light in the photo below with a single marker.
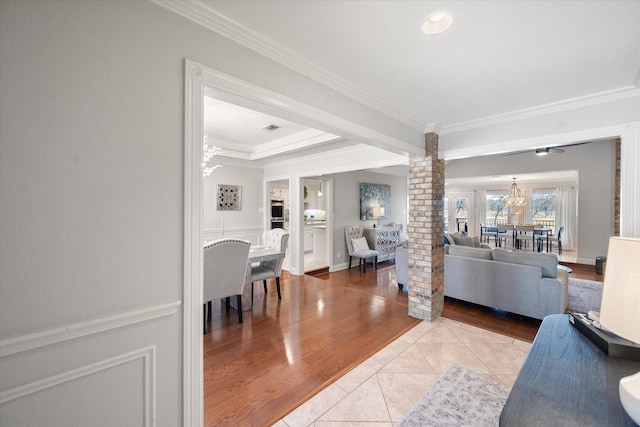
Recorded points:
(437, 23)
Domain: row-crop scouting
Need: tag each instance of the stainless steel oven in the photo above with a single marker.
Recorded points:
(277, 208)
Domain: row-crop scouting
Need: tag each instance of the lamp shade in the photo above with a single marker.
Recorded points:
(620, 308)
(378, 212)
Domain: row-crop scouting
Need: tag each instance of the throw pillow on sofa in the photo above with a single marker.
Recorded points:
(461, 240)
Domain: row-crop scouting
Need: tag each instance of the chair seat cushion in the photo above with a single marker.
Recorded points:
(367, 253)
(261, 273)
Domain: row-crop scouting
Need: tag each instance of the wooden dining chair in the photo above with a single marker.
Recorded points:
(557, 239)
(524, 235)
(505, 233)
(225, 264)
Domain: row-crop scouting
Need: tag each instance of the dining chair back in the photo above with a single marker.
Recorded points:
(525, 234)
(277, 239)
(488, 231)
(504, 234)
(354, 233)
(224, 269)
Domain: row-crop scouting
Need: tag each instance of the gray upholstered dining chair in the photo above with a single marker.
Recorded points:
(225, 264)
(276, 239)
(358, 247)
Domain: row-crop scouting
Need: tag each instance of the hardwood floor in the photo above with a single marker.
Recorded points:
(286, 351)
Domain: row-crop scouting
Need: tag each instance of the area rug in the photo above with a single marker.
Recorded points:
(459, 398)
(584, 295)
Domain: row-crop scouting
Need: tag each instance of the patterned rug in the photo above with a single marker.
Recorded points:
(584, 295)
(459, 398)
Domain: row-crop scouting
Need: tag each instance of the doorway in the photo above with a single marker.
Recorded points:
(458, 214)
(316, 215)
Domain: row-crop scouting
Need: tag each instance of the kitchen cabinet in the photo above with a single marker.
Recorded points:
(308, 239)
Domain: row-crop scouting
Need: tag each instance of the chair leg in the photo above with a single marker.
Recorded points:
(278, 287)
(349, 262)
(228, 303)
(264, 283)
(239, 308)
(365, 264)
(376, 262)
(209, 310)
(251, 294)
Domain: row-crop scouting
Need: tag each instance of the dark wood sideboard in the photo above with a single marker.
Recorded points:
(567, 380)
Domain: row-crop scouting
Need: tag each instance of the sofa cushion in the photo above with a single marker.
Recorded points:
(470, 252)
(548, 262)
(461, 240)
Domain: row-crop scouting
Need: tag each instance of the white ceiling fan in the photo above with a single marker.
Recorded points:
(543, 151)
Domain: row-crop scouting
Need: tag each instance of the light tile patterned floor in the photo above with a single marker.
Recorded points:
(380, 391)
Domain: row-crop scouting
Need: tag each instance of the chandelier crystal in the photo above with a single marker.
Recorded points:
(515, 201)
(208, 152)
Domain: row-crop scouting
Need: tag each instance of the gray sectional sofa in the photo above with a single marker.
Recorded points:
(526, 283)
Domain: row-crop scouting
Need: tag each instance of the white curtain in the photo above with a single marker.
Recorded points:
(566, 216)
(526, 216)
(481, 206)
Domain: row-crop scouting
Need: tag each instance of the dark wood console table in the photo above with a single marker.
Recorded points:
(567, 381)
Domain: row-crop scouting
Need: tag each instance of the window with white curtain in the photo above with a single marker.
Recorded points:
(543, 207)
(495, 210)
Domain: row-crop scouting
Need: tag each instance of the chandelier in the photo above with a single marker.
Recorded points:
(514, 199)
(208, 152)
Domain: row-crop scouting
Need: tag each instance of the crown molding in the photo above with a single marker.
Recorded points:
(209, 17)
(554, 107)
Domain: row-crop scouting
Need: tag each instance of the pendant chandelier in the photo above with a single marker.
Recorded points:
(208, 152)
(515, 201)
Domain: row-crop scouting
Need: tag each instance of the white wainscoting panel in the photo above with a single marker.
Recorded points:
(128, 378)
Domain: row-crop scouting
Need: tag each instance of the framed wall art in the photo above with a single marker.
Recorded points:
(375, 201)
(229, 197)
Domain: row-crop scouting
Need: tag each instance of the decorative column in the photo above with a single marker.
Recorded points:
(426, 233)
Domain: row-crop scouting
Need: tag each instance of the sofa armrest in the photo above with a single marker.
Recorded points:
(554, 292)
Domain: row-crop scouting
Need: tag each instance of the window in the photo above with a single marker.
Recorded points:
(496, 211)
(543, 207)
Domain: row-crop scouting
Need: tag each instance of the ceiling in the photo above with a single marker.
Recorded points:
(499, 57)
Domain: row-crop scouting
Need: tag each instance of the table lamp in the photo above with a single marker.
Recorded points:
(620, 309)
(378, 212)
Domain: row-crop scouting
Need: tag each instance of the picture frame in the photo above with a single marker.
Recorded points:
(375, 201)
(229, 197)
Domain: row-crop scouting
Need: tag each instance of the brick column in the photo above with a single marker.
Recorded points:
(426, 233)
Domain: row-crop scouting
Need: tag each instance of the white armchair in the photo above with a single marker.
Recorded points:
(275, 239)
(353, 234)
(225, 267)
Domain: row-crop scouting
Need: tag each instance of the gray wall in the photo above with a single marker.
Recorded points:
(595, 164)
